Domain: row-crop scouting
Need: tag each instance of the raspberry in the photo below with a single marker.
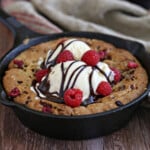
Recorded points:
(132, 64)
(40, 74)
(73, 97)
(104, 88)
(117, 76)
(14, 92)
(91, 57)
(66, 55)
(47, 109)
(19, 63)
(102, 55)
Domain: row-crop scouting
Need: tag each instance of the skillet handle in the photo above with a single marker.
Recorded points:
(4, 100)
(21, 31)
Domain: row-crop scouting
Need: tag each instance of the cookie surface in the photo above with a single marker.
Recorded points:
(21, 74)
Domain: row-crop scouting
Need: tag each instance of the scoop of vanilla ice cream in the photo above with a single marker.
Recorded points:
(104, 67)
(76, 74)
(77, 47)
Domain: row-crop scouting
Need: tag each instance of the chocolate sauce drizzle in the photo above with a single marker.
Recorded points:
(44, 86)
(107, 77)
(64, 75)
(52, 62)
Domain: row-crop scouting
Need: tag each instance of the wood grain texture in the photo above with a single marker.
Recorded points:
(134, 136)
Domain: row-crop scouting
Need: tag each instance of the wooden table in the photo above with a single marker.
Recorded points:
(134, 136)
(14, 136)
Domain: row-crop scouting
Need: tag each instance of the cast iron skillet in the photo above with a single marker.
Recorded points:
(75, 127)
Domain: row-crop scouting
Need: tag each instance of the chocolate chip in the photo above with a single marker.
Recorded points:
(122, 87)
(30, 76)
(25, 92)
(27, 102)
(33, 70)
(19, 82)
(132, 86)
(119, 103)
(131, 72)
(109, 57)
(28, 97)
(98, 47)
(132, 78)
(45, 104)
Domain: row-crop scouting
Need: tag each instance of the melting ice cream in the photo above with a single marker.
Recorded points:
(73, 74)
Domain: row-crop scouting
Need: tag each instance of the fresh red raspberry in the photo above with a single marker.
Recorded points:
(73, 97)
(102, 55)
(66, 55)
(14, 92)
(47, 109)
(117, 76)
(40, 74)
(132, 64)
(104, 88)
(91, 57)
(19, 63)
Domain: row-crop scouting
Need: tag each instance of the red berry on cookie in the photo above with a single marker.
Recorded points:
(18, 63)
(14, 92)
(73, 97)
(104, 88)
(132, 64)
(117, 76)
(66, 55)
(40, 74)
(91, 57)
(47, 109)
(102, 55)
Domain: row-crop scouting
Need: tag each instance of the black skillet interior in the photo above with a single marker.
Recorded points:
(76, 127)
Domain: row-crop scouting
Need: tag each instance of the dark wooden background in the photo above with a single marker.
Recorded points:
(14, 136)
(134, 136)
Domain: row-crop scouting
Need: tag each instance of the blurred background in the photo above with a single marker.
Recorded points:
(143, 3)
